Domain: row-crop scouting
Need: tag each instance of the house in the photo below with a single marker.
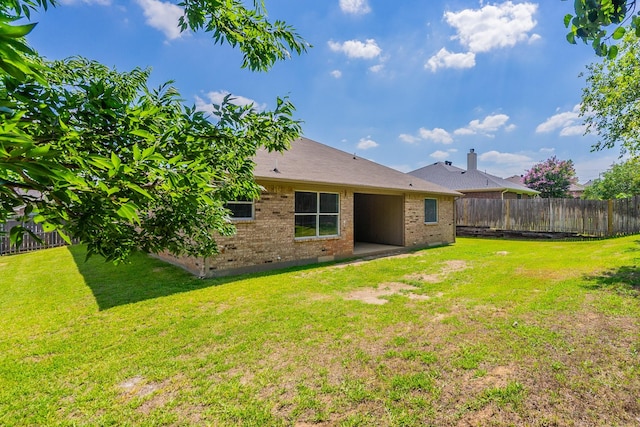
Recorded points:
(473, 182)
(321, 204)
(575, 190)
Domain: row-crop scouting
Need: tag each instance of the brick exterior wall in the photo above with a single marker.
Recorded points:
(270, 237)
(268, 241)
(417, 233)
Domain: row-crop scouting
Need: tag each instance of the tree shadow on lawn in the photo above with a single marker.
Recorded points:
(143, 278)
(624, 280)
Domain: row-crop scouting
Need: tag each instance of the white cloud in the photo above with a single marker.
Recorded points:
(494, 25)
(440, 155)
(217, 97)
(446, 59)
(162, 16)
(357, 49)
(376, 68)
(503, 158)
(577, 130)
(436, 135)
(366, 143)
(534, 38)
(336, 74)
(355, 7)
(568, 122)
(410, 139)
(488, 126)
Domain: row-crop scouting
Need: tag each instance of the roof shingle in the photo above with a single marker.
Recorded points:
(308, 161)
(467, 181)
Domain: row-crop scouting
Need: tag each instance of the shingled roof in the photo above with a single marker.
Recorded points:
(467, 181)
(309, 161)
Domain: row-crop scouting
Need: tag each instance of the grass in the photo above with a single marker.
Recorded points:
(493, 332)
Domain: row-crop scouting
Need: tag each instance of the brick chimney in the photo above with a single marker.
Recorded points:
(472, 160)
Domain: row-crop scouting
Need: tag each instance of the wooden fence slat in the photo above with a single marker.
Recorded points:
(598, 218)
(49, 239)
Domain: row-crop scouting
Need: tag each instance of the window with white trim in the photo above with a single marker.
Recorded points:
(430, 211)
(316, 214)
(240, 209)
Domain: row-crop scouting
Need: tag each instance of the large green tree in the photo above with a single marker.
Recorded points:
(551, 178)
(611, 99)
(98, 155)
(599, 21)
(622, 180)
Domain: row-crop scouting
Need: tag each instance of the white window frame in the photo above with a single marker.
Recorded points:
(318, 214)
(426, 220)
(242, 202)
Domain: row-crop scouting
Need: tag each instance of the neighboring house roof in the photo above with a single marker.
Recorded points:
(516, 179)
(308, 161)
(575, 187)
(468, 181)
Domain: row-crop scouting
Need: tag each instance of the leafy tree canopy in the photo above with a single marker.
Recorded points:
(551, 178)
(621, 181)
(598, 21)
(610, 105)
(96, 154)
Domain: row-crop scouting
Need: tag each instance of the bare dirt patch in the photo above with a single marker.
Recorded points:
(137, 387)
(374, 295)
(449, 267)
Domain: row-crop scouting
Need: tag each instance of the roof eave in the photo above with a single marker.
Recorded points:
(408, 189)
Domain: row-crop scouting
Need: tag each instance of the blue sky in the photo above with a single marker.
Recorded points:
(405, 84)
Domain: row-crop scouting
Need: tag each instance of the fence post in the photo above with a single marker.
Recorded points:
(507, 222)
(609, 217)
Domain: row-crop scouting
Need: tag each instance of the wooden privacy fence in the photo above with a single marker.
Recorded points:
(49, 239)
(597, 218)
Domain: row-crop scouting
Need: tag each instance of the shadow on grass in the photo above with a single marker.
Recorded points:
(624, 280)
(144, 278)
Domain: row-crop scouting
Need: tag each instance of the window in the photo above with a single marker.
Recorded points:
(240, 209)
(317, 214)
(430, 211)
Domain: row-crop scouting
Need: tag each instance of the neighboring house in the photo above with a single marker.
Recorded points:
(575, 188)
(321, 204)
(472, 182)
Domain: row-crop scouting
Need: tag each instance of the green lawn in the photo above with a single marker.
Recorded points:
(482, 332)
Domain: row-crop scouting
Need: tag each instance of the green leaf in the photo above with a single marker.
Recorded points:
(139, 190)
(64, 236)
(16, 234)
(137, 155)
(16, 31)
(618, 33)
(567, 20)
(613, 51)
(128, 211)
(115, 160)
(143, 134)
(100, 162)
(147, 152)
